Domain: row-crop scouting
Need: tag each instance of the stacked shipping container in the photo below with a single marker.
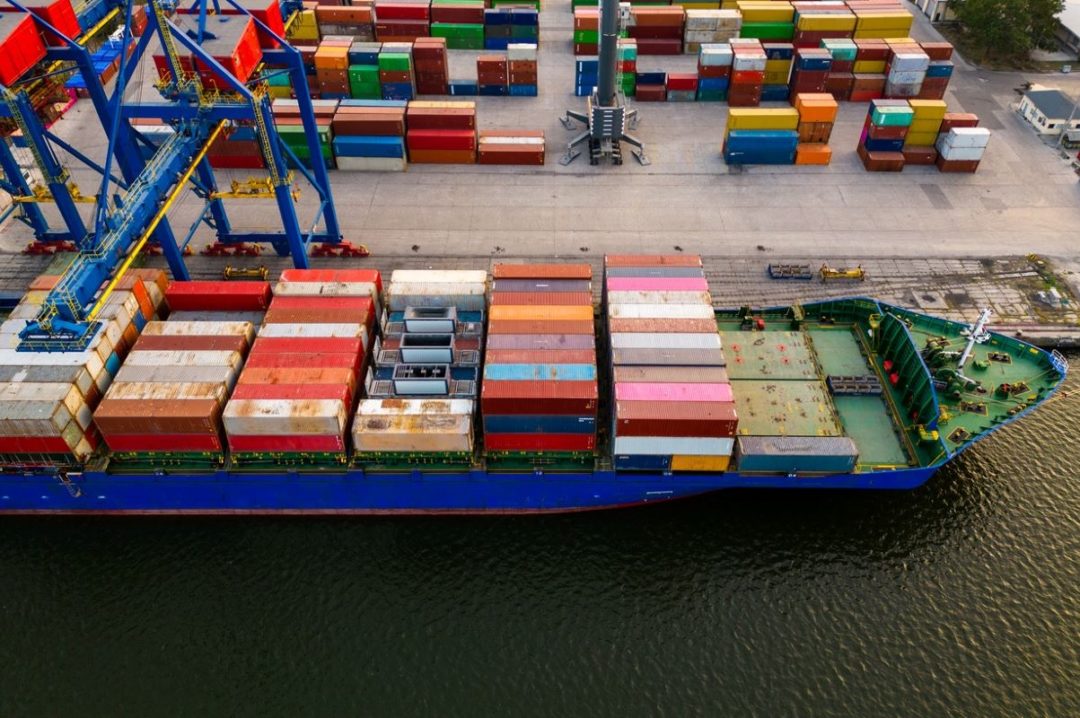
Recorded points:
(760, 136)
(47, 398)
(817, 115)
(370, 135)
(539, 395)
(674, 408)
(441, 132)
(461, 22)
(166, 402)
(506, 25)
(294, 399)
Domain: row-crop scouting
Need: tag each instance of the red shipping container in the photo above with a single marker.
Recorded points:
(265, 360)
(314, 345)
(21, 47)
(650, 93)
(539, 271)
(295, 392)
(539, 397)
(440, 118)
(657, 46)
(919, 155)
(652, 260)
(441, 139)
(206, 296)
(306, 375)
(329, 304)
(319, 316)
(33, 445)
(466, 14)
(539, 442)
(333, 275)
(57, 13)
(682, 81)
(670, 418)
(716, 71)
(402, 11)
(235, 46)
(958, 119)
(199, 343)
(267, 12)
(747, 77)
(154, 443)
(322, 443)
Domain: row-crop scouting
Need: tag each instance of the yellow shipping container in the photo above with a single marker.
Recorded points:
(757, 118)
(443, 104)
(884, 21)
(920, 139)
(882, 34)
(772, 11)
(928, 109)
(700, 463)
(779, 77)
(278, 92)
(777, 65)
(698, 5)
(530, 313)
(826, 22)
(304, 27)
(869, 67)
(931, 125)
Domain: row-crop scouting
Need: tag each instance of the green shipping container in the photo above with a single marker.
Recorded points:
(629, 85)
(768, 30)
(892, 116)
(281, 79)
(586, 37)
(395, 62)
(712, 95)
(460, 36)
(525, 32)
(365, 91)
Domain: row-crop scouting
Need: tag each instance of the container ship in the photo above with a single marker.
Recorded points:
(464, 392)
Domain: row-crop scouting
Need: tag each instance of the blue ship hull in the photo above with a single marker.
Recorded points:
(351, 492)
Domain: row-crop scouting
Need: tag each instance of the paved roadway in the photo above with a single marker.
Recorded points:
(1024, 198)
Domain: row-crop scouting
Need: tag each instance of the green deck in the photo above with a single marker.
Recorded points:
(927, 410)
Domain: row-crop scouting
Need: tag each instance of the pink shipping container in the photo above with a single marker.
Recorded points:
(657, 284)
(673, 392)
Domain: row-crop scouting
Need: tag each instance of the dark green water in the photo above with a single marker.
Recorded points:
(959, 599)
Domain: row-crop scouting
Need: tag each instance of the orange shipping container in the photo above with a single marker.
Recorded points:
(443, 157)
(308, 375)
(550, 313)
(810, 153)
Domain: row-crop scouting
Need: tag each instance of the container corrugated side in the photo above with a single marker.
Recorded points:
(788, 454)
(541, 341)
(665, 418)
(656, 326)
(417, 407)
(554, 286)
(668, 357)
(541, 271)
(184, 358)
(438, 276)
(652, 260)
(173, 329)
(695, 310)
(631, 340)
(656, 284)
(540, 372)
(657, 271)
(284, 417)
(184, 374)
(671, 445)
(467, 297)
(671, 374)
(412, 433)
(167, 391)
(339, 331)
(642, 391)
(617, 298)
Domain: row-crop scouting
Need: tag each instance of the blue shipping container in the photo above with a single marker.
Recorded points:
(494, 90)
(775, 93)
(524, 91)
(591, 67)
(369, 146)
(642, 463)
(540, 372)
(463, 88)
(884, 145)
(814, 63)
(713, 83)
(496, 43)
(940, 68)
(651, 78)
(397, 91)
(538, 424)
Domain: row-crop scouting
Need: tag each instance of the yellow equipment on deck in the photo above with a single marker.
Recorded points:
(856, 273)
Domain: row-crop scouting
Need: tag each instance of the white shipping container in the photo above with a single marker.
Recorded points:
(642, 297)
(425, 433)
(64, 393)
(965, 137)
(167, 391)
(371, 164)
(908, 61)
(36, 418)
(183, 358)
(646, 340)
(907, 77)
(285, 417)
(755, 62)
(962, 154)
(324, 331)
(511, 141)
(439, 276)
(661, 311)
(416, 407)
(189, 329)
(88, 359)
(464, 296)
(225, 375)
(521, 51)
(667, 445)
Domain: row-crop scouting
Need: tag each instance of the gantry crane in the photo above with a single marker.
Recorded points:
(122, 225)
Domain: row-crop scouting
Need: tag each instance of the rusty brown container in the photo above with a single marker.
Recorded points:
(539, 397)
(652, 260)
(192, 343)
(143, 416)
(665, 326)
(675, 418)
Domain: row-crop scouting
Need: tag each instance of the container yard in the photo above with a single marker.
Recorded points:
(534, 388)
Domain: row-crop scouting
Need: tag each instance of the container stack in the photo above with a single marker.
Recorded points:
(22, 44)
(650, 86)
(586, 76)
(364, 81)
(674, 408)
(291, 128)
(432, 65)
(818, 21)
(355, 21)
(780, 56)
(758, 136)
(305, 25)
(709, 27)
(510, 147)
(881, 145)
(773, 20)
(868, 82)
(422, 389)
(923, 133)
(938, 72)
(506, 25)
(811, 73)
(441, 132)
(682, 86)
(234, 43)
(47, 398)
(587, 31)
(628, 65)
(714, 72)
(237, 150)
(294, 398)
(539, 395)
(402, 20)
(369, 135)
(658, 30)
(165, 405)
(493, 75)
(872, 23)
(960, 149)
(396, 71)
(905, 71)
(461, 22)
(841, 78)
(747, 74)
(521, 58)
(817, 115)
(332, 68)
